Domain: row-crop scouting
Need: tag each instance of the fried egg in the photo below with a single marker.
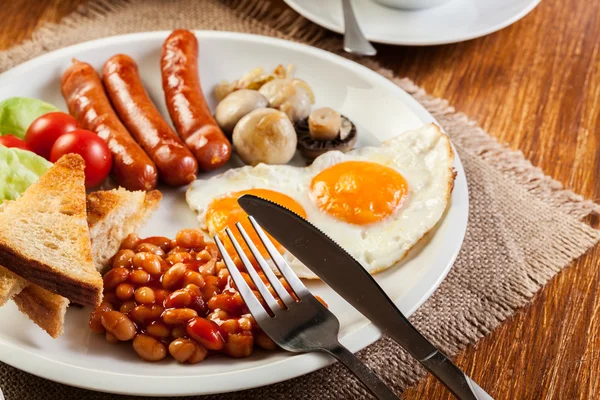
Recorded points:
(375, 202)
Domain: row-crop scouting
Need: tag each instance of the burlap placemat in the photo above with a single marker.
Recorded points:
(523, 226)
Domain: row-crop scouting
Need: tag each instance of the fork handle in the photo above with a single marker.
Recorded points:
(362, 372)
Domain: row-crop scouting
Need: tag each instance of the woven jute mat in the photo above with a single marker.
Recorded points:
(523, 226)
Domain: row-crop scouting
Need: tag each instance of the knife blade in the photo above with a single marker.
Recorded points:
(344, 274)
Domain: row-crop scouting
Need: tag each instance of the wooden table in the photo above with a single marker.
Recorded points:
(536, 87)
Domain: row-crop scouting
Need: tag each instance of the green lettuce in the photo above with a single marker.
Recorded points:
(17, 113)
(18, 170)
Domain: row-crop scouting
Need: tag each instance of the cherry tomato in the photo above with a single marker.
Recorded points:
(43, 131)
(88, 145)
(13, 141)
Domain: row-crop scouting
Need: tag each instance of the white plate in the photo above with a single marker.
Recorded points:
(451, 22)
(379, 108)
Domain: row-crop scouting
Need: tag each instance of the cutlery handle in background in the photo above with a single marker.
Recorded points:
(354, 40)
(362, 372)
(463, 387)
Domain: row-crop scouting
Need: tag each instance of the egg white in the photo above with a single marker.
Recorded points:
(424, 157)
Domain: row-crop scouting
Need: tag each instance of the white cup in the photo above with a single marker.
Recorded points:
(411, 4)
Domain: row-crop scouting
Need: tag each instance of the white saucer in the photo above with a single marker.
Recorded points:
(455, 21)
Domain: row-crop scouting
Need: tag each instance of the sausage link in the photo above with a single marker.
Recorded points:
(175, 163)
(82, 89)
(188, 109)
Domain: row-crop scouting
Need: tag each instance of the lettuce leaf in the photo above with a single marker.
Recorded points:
(17, 113)
(18, 170)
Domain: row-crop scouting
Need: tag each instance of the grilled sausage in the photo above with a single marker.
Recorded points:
(175, 163)
(188, 109)
(87, 102)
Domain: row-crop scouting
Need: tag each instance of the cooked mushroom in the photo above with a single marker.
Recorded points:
(237, 104)
(292, 96)
(317, 138)
(265, 135)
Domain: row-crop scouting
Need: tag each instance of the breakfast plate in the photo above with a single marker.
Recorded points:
(450, 22)
(380, 110)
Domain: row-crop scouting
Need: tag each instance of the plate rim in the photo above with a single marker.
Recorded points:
(295, 5)
(58, 371)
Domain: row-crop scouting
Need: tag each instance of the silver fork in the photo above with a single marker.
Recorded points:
(302, 326)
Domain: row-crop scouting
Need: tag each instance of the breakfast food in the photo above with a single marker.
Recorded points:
(175, 297)
(265, 136)
(376, 202)
(237, 104)
(252, 80)
(175, 163)
(111, 216)
(114, 214)
(325, 130)
(188, 109)
(48, 241)
(82, 89)
(292, 96)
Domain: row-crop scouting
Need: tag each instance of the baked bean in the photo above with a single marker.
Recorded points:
(178, 299)
(210, 291)
(208, 268)
(149, 348)
(114, 277)
(111, 298)
(176, 316)
(248, 280)
(127, 306)
(264, 341)
(118, 324)
(164, 243)
(193, 278)
(233, 304)
(139, 277)
(230, 326)
(213, 251)
(151, 263)
(123, 258)
(96, 315)
(158, 330)
(211, 280)
(174, 276)
(206, 333)
(190, 238)
(160, 295)
(124, 291)
(218, 315)
(145, 314)
(178, 332)
(149, 248)
(199, 305)
(223, 276)
(239, 345)
(220, 265)
(110, 338)
(131, 241)
(144, 295)
(245, 324)
(186, 350)
(204, 255)
(179, 257)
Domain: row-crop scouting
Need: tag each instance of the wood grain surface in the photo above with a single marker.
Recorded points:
(535, 86)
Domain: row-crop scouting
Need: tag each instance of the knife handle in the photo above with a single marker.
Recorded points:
(463, 387)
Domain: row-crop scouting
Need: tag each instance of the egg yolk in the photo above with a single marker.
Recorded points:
(224, 212)
(359, 192)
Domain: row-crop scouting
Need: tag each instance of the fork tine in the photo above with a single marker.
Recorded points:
(260, 285)
(279, 289)
(257, 310)
(291, 277)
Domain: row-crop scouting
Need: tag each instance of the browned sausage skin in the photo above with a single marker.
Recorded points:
(188, 109)
(82, 89)
(175, 163)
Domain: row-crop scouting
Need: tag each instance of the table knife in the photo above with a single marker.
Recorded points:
(349, 279)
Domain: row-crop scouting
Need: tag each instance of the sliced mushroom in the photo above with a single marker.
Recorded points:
(311, 146)
(292, 96)
(265, 136)
(237, 104)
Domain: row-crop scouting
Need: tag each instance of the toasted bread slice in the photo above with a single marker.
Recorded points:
(111, 216)
(114, 214)
(45, 308)
(10, 285)
(45, 236)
